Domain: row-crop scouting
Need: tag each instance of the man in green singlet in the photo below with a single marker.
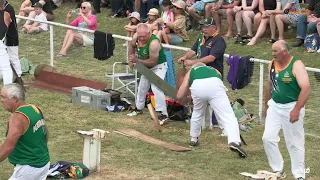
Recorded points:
(151, 54)
(206, 87)
(26, 138)
(287, 92)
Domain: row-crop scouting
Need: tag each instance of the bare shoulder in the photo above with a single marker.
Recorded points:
(298, 65)
(134, 39)
(154, 46)
(19, 118)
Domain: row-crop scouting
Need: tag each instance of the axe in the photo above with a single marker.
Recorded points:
(18, 79)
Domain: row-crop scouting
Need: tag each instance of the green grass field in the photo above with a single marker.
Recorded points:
(126, 158)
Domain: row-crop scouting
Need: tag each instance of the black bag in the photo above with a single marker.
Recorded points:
(115, 95)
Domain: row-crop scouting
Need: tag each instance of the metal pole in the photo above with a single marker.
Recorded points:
(261, 93)
(51, 45)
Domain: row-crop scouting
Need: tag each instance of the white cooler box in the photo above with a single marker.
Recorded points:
(89, 97)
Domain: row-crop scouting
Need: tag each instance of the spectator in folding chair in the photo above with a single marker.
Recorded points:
(224, 7)
(245, 13)
(27, 9)
(84, 20)
(262, 18)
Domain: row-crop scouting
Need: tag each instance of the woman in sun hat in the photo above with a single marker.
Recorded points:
(178, 26)
(132, 26)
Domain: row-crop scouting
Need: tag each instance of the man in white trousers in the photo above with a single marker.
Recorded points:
(12, 39)
(5, 68)
(151, 54)
(25, 144)
(287, 92)
(206, 86)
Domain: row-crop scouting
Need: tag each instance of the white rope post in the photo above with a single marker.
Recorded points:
(51, 45)
(261, 93)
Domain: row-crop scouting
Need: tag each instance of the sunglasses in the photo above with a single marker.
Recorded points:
(174, 7)
(83, 7)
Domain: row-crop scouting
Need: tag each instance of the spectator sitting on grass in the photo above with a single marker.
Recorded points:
(84, 20)
(37, 27)
(178, 32)
(152, 23)
(27, 9)
(132, 26)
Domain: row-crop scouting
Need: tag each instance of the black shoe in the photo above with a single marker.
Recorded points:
(299, 43)
(193, 144)
(237, 148)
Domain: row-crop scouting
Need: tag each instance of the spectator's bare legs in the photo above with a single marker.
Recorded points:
(216, 17)
(68, 40)
(207, 11)
(247, 17)
(239, 21)
(280, 20)
(137, 5)
(230, 14)
(261, 29)
(194, 14)
(33, 30)
(318, 28)
(26, 28)
(162, 35)
(273, 27)
(257, 18)
(32, 14)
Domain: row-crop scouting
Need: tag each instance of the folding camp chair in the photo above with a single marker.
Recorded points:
(127, 79)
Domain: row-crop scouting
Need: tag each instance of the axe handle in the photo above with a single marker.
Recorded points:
(154, 117)
(16, 74)
(244, 142)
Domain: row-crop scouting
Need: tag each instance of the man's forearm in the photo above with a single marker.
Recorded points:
(147, 62)
(206, 59)
(268, 94)
(303, 98)
(5, 152)
(189, 54)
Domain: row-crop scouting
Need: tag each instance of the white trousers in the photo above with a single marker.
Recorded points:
(212, 91)
(278, 117)
(13, 52)
(26, 172)
(144, 86)
(5, 68)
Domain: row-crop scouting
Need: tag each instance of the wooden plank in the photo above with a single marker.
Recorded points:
(166, 88)
(137, 135)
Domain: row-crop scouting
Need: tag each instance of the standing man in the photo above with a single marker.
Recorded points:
(12, 39)
(209, 47)
(151, 54)
(26, 142)
(207, 87)
(5, 68)
(287, 92)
